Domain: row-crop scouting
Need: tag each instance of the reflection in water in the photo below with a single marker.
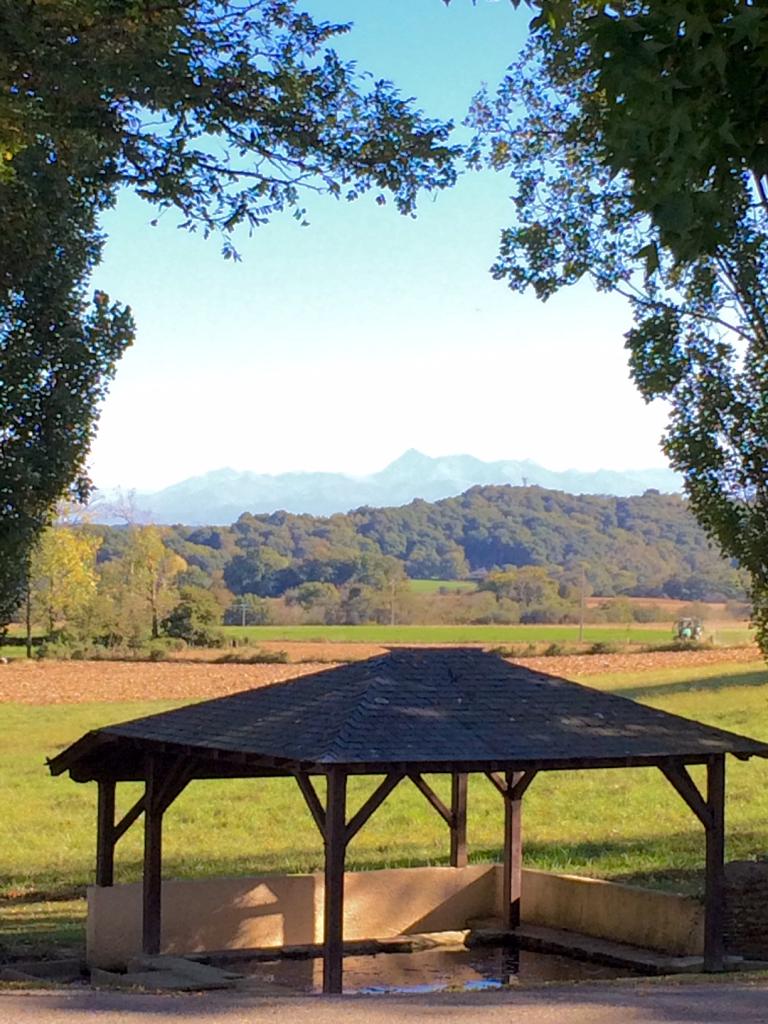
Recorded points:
(430, 970)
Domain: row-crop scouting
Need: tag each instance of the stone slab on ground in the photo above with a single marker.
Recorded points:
(13, 974)
(193, 969)
(154, 981)
(165, 974)
(149, 981)
(615, 954)
(357, 947)
(67, 970)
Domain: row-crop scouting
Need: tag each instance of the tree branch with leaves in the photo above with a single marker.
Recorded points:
(633, 135)
(227, 112)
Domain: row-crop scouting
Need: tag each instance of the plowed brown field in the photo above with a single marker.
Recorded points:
(648, 661)
(72, 682)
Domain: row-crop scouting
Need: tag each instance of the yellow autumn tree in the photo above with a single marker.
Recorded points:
(148, 571)
(62, 576)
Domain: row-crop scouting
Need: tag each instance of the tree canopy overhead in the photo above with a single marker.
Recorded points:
(634, 135)
(224, 109)
(228, 112)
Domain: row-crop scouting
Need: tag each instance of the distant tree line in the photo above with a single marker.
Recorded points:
(648, 545)
(528, 555)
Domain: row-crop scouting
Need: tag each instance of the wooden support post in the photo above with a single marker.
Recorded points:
(153, 837)
(458, 820)
(105, 834)
(512, 869)
(335, 850)
(714, 910)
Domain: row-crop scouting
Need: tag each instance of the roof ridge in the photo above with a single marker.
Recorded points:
(368, 702)
(464, 727)
(365, 702)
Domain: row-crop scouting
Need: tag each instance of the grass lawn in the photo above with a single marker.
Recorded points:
(619, 634)
(435, 586)
(623, 824)
(13, 651)
(15, 645)
(445, 634)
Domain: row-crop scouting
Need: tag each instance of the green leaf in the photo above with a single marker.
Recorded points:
(649, 253)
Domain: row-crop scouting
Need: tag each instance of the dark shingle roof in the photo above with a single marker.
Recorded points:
(421, 707)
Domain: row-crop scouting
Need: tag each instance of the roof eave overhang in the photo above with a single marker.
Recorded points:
(101, 755)
(77, 752)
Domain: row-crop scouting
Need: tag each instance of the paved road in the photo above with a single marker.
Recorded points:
(736, 1002)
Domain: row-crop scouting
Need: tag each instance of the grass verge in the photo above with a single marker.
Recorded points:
(498, 635)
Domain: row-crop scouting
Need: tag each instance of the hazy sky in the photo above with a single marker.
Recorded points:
(339, 345)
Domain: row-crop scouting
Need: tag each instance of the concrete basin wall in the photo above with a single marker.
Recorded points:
(623, 913)
(276, 910)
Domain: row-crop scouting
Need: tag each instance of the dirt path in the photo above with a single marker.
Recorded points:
(73, 682)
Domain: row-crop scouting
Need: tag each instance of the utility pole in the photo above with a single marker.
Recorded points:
(243, 607)
(29, 618)
(582, 603)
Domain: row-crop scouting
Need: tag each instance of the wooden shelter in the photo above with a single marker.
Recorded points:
(402, 715)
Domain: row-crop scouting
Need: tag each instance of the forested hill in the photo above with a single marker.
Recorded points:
(644, 545)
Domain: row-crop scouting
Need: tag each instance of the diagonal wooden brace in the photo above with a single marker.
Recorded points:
(316, 809)
(374, 801)
(497, 781)
(677, 775)
(128, 819)
(175, 781)
(516, 790)
(423, 787)
(179, 775)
